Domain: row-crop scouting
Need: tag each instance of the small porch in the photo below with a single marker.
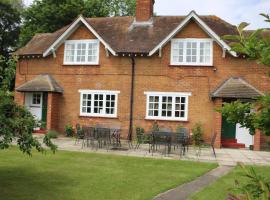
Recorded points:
(233, 135)
(41, 96)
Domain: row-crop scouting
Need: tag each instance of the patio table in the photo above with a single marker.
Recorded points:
(161, 138)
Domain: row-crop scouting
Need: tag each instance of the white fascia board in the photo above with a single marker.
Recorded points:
(203, 25)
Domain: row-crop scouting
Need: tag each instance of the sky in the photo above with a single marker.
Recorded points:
(232, 11)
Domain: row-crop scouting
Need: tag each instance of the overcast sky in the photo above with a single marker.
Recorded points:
(233, 11)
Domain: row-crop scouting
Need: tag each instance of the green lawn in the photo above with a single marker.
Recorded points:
(85, 176)
(223, 186)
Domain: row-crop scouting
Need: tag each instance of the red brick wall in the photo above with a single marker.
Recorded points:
(152, 74)
(53, 111)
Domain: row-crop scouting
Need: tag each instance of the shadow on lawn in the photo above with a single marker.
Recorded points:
(25, 183)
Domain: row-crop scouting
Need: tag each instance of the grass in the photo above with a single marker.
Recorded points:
(89, 176)
(225, 185)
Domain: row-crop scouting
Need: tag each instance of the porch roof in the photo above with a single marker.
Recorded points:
(236, 87)
(41, 83)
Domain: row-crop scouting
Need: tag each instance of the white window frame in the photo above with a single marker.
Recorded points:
(75, 42)
(197, 40)
(32, 98)
(104, 92)
(167, 94)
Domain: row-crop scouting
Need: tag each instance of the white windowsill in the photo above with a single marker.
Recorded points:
(166, 119)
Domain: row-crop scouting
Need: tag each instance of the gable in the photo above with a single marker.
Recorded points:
(203, 25)
(70, 30)
(82, 33)
(192, 30)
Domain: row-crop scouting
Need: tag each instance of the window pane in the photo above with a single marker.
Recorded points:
(153, 105)
(205, 51)
(92, 52)
(86, 103)
(191, 52)
(166, 106)
(178, 51)
(110, 104)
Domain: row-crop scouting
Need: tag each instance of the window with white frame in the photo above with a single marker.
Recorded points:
(79, 52)
(36, 99)
(192, 52)
(98, 103)
(167, 106)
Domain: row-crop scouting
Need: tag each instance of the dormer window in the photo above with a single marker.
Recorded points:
(81, 52)
(192, 52)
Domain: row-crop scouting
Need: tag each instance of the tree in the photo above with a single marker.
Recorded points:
(16, 122)
(121, 7)
(256, 46)
(50, 15)
(9, 26)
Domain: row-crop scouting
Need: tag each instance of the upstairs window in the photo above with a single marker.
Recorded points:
(80, 52)
(192, 52)
(98, 103)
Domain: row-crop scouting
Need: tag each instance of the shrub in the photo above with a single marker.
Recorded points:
(69, 130)
(52, 134)
(256, 187)
(140, 134)
(43, 125)
(197, 134)
(155, 127)
(139, 130)
(179, 127)
(17, 125)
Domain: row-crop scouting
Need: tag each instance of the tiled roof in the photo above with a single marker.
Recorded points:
(41, 83)
(236, 87)
(122, 37)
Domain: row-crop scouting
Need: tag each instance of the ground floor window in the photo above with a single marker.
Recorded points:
(167, 106)
(98, 103)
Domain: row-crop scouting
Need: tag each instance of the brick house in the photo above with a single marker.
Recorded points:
(132, 71)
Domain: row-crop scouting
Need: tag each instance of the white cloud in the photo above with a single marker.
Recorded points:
(233, 11)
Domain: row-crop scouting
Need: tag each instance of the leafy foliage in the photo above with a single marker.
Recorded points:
(256, 47)
(7, 72)
(17, 124)
(256, 188)
(239, 113)
(249, 115)
(50, 15)
(9, 26)
(251, 43)
(69, 130)
(197, 134)
(263, 115)
(155, 127)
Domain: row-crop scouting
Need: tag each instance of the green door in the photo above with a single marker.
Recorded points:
(44, 110)
(228, 130)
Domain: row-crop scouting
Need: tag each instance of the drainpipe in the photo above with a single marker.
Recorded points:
(131, 99)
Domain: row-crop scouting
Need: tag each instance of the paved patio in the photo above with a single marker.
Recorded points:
(228, 157)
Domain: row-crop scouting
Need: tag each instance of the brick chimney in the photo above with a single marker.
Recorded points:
(144, 10)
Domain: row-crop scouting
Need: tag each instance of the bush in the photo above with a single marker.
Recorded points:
(256, 187)
(179, 127)
(16, 125)
(52, 134)
(69, 130)
(197, 134)
(155, 127)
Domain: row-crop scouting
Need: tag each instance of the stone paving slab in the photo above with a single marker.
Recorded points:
(186, 190)
(224, 156)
